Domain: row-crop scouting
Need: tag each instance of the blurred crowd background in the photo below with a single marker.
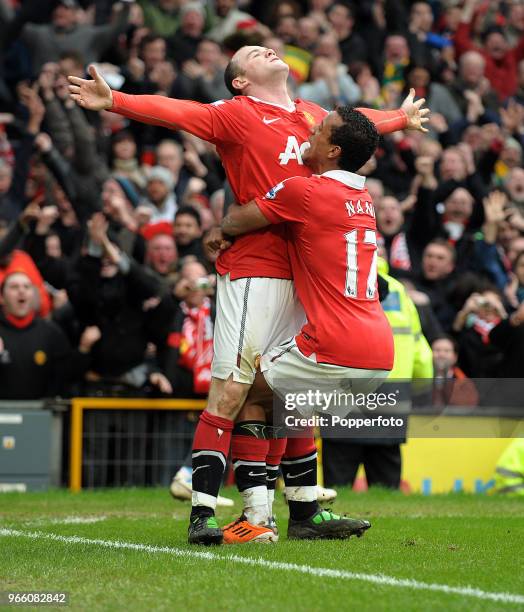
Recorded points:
(106, 286)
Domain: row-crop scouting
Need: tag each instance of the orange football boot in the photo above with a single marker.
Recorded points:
(243, 532)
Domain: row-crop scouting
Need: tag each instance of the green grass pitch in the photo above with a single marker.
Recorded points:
(452, 552)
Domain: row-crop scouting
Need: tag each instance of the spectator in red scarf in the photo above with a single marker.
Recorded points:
(482, 312)
(186, 358)
(390, 223)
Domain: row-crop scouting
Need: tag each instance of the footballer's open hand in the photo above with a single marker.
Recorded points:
(416, 113)
(92, 94)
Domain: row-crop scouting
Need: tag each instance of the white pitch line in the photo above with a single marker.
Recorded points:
(322, 572)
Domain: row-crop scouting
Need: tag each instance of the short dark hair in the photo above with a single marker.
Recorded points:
(357, 138)
(73, 55)
(449, 339)
(192, 212)
(346, 5)
(231, 72)
(148, 39)
(444, 243)
(492, 29)
(205, 39)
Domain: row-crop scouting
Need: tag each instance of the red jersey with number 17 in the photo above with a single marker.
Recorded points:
(333, 252)
(260, 144)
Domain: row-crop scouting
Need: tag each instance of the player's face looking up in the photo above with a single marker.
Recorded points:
(257, 66)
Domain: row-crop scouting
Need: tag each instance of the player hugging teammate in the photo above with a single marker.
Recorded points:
(261, 136)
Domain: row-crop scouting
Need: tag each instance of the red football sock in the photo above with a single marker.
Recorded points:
(210, 450)
(277, 447)
(300, 447)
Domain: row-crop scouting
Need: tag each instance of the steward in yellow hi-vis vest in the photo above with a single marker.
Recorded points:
(509, 473)
(413, 356)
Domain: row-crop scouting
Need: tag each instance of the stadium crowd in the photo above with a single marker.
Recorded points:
(107, 286)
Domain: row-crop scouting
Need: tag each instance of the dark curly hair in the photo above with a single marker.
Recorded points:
(357, 138)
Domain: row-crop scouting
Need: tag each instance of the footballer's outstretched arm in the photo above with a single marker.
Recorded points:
(410, 116)
(243, 219)
(194, 117)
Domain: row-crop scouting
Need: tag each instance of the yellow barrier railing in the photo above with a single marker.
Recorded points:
(80, 404)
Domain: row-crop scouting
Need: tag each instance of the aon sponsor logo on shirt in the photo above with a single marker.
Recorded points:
(293, 151)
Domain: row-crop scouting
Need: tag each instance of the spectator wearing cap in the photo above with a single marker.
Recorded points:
(46, 42)
(185, 42)
(188, 233)
(36, 360)
(501, 60)
(161, 250)
(161, 199)
(17, 260)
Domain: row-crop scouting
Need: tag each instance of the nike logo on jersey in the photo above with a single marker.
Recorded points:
(261, 474)
(269, 121)
(199, 468)
(290, 476)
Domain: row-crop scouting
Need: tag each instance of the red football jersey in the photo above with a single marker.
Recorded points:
(260, 144)
(333, 253)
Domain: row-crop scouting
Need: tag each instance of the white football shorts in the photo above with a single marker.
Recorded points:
(285, 368)
(253, 315)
